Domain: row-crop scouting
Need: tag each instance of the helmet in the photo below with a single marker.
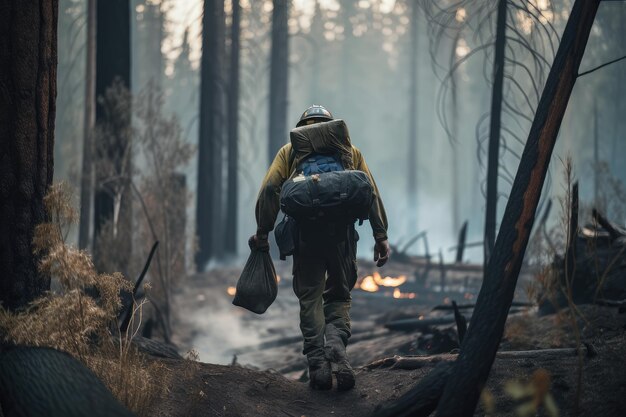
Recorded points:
(315, 112)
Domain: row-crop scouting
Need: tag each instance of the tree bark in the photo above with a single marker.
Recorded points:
(494, 132)
(481, 342)
(210, 149)
(28, 87)
(87, 180)
(233, 133)
(279, 73)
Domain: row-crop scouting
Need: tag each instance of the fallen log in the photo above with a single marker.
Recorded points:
(417, 362)
(424, 324)
(468, 306)
(417, 324)
(611, 303)
(357, 336)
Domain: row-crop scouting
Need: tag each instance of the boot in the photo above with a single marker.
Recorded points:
(320, 373)
(336, 352)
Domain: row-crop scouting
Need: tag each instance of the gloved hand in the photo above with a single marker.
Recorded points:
(381, 252)
(259, 242)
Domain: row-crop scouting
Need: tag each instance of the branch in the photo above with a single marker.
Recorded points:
(601, 66)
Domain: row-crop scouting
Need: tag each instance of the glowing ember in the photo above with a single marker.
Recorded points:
(368, 284)
(231, 291)
(389, 281)
(399, 294)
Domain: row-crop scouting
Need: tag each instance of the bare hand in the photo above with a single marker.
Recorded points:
(259, 242)
(381, 252)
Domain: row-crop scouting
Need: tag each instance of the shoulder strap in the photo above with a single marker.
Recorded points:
(291, 161)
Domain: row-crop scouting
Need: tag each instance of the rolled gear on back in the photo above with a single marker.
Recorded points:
(327, 188)
(326, 138)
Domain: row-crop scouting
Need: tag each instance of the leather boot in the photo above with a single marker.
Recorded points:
(320, 372)
(336, 352)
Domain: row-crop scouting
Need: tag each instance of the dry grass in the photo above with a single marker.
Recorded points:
(80, 324)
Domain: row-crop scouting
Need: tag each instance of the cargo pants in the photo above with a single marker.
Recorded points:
(324, 273)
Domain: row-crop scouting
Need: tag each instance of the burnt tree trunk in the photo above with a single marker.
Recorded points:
(113, 65)
(28, 87)
(210, 147)
(596, 159)
(454, 136)
(233, 133)
(483, 338)
(279, 72)
(494, 132)
(86, 182)
(460, 247)
(412, 148)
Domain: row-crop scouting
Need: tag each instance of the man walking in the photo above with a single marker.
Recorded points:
(324, 266)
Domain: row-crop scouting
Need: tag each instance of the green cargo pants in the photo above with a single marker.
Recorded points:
(324, 273)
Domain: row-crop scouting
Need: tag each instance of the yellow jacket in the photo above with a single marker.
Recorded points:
(268, 201)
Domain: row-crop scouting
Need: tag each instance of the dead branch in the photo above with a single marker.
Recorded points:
(461, 323)
(613, 230)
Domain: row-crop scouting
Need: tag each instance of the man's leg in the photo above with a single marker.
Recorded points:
(342, 275)
(309, 274)
(341, 279)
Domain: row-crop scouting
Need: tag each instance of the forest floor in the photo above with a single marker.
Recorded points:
(268, 380)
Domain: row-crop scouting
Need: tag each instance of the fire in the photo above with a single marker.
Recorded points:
(231, 291)
(277, 278)
(368, 284)
(389, 281)
(372, 283)
(399, 294)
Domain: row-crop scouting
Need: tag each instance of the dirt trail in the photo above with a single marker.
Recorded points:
(200, 389)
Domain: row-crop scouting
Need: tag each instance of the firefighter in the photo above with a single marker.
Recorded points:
(324, 266)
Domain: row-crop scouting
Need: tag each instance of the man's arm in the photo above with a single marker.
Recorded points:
(377, 215)
(268, 200)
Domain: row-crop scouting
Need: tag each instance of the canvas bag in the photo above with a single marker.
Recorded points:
(257, 286)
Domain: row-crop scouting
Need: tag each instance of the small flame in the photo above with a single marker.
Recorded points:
(399, 294)
(277, 278)
(389, 281)
(368, 284)
(231, 291)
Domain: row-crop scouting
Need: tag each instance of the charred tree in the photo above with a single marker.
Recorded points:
(113, 74)
(86, 181)
(596, 159)
(279, 73)
(454, 136)
(150, 31)
(483, 337)
(28, 80)
(210, 146)
(233, 132)
(494, 132)
(316, 36)
(412, 149)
